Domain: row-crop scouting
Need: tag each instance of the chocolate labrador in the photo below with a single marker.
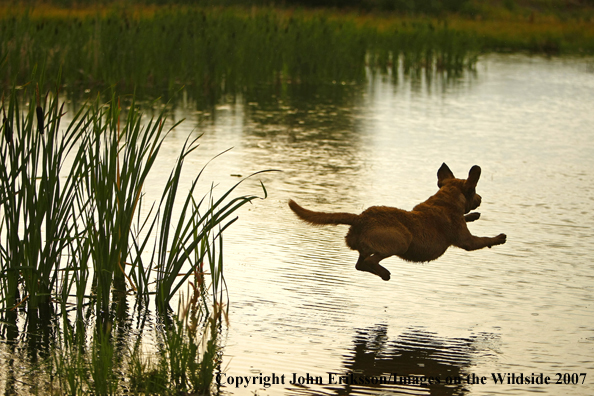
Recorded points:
(422, 234)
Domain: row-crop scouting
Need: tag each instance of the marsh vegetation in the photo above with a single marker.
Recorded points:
(213, 52)
(76, 246)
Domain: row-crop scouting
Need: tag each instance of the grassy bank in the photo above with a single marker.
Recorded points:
(187, 45)
(217, 50)
(223, 50)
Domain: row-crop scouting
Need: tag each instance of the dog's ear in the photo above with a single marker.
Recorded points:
(444, 173)
(473, 176)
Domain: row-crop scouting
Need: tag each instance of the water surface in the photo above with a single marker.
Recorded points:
(297, 304)
(298, 307)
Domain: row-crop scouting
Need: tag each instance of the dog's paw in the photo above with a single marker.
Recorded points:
(499, 240)
(472, 217)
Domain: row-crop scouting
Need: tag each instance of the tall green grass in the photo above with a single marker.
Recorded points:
(214, 51)
(36, 206)
(75, 244)
(76, 220)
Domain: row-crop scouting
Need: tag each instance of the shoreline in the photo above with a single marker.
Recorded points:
(494, 30)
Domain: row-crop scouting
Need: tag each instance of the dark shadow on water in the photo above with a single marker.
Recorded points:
(416, 362)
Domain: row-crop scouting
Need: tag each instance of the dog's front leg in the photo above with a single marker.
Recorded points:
(472, 242)
(472, 216)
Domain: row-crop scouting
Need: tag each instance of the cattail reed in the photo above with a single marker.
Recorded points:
(7, 128)
(39, 112)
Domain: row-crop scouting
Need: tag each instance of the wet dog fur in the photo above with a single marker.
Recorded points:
(420, 235)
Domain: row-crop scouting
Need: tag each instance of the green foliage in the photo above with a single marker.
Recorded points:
(217, 50)
(115, 165)
(74, 239)
(88, 209)
(37, 207)
(427, 7)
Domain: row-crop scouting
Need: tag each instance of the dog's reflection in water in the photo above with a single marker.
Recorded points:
(416, 362)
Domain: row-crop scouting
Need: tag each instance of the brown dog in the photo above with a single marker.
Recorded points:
(423, 234)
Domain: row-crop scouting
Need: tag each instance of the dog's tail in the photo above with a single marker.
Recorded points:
(319, 218)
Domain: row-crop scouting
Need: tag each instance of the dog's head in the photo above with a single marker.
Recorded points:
(467, 187)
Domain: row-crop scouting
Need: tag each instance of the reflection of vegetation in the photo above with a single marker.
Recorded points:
(406, 363)
(113, 361)
(75, 241)
(57, 356)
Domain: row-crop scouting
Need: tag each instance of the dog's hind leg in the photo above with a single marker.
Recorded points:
(378, 243)
(370, 263)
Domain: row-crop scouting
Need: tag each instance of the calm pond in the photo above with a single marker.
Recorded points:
(299, 307)
(492, 321)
